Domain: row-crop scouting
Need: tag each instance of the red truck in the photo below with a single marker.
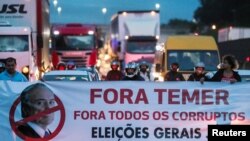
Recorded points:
(76, 43)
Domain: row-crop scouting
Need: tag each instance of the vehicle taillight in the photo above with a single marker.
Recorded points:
(25, 71)
(61, 68)
(248, 59)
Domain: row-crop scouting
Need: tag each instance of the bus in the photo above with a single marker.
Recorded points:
(187, 51)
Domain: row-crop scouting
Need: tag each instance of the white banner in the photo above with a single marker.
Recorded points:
(122, 111)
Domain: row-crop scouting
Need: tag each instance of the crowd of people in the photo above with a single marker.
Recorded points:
(141, 71)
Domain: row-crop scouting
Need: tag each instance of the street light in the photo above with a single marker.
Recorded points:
(104, 10)
(157, 6)
(55, 2)
(213, 27)
(59, 9)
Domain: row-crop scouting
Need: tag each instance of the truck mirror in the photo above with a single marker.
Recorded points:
(158, 68)
(39, 40)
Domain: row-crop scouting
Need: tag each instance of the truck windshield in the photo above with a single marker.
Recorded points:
(14, 43)
(188, 59)
(74, 42)
(141, 47)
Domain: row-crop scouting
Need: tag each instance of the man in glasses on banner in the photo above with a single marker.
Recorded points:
(35, 99)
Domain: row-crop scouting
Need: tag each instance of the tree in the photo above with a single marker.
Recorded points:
(223, 13)
(180, 23)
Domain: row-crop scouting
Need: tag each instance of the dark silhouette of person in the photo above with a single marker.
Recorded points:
(114, 74)
(173, 74)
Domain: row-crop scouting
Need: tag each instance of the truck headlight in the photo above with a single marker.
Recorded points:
(158, 76)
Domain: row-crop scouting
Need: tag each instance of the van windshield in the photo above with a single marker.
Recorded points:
(73, 42)
(141, 47)
(188, 59)
(14, 43)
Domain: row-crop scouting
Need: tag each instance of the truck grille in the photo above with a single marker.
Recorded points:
(79, 61)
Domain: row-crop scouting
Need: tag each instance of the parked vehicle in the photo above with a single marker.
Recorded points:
(67, 75)
(75, 42)
(24, 35)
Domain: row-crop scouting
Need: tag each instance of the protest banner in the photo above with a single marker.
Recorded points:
(136, 111)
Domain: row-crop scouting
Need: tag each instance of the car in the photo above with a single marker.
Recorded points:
(94, 73)
(67, 75)
(244, 74)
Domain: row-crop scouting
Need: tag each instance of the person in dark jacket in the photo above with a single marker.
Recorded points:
(131, 72)
(199, 73)
(114, 74)
(226, 71)
(144, 71)
(173, 74)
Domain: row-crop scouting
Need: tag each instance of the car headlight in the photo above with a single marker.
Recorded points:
(25, 70)
(158, 76)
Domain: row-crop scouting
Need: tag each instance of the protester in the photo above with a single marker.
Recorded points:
(11, 73)
(131, 72)
(173, 74)
(35, 99)
(226, 71)
(144, 71)
(199, 73)
(114, 74)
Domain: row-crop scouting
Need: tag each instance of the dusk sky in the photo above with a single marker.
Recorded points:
(90, 11)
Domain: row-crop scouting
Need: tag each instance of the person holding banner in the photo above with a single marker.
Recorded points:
(199, 73)
(226, 71)
(145, 71)
(173, 74)
(35, 99)
(131, 72)
(114, 74)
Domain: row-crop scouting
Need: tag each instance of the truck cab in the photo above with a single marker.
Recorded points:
(75, 42)
(138, 33)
